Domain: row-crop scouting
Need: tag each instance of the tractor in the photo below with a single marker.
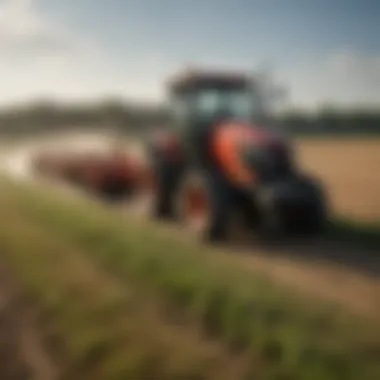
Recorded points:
(220, 162)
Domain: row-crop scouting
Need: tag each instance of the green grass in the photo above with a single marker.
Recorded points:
(261, 331)
(361, 234)
(103, 328)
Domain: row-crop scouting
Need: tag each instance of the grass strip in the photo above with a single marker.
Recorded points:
(104, 329)
(365, 235)
(246, 312)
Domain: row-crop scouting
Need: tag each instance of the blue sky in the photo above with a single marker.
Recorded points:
(323, 51)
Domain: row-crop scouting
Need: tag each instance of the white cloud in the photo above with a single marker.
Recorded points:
(39, 57)
(345, 78)
(24, 33)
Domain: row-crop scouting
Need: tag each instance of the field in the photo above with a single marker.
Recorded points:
(350, 168)
(106, 295)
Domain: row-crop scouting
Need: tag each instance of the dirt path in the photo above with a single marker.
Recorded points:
(326, 270)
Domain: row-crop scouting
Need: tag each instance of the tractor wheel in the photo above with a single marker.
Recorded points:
(204, 207)
(315, 216)
(193, 204)
(166, 177)
(295, 207)
(272, 225)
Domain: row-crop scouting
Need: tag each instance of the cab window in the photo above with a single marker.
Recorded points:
(207, 103)
(180, 109)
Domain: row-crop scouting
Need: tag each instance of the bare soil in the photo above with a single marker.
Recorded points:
(350, 170)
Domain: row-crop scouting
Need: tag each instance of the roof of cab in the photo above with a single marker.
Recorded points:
(196, 78)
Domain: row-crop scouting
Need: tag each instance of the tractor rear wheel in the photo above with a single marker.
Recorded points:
(166, 178)
(193, 204)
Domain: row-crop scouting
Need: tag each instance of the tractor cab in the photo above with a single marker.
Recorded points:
(203, 98)
(202, 101)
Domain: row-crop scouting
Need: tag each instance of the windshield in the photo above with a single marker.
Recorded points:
(236, 103)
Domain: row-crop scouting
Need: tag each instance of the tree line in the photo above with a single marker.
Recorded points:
(49, 116)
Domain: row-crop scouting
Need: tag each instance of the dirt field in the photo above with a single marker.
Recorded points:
(351, 171)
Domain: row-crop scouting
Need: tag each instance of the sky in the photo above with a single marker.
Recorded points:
(322, 51)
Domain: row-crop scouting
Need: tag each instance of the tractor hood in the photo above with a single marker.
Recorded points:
(268, 154)
(251, 152)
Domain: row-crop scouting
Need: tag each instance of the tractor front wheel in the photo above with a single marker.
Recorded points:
(296, 206)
